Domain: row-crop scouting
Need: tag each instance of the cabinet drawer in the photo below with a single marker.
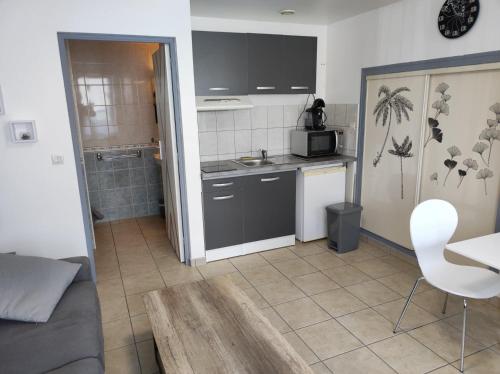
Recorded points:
(223, 184)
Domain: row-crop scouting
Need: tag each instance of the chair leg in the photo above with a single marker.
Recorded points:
(445, 303)
(463, 338)
(403, 312)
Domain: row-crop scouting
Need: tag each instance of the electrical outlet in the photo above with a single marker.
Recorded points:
(57, 159)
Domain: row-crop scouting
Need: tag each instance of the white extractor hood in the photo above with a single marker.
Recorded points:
(210, 103)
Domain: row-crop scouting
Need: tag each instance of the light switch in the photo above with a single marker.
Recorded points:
(57, 159)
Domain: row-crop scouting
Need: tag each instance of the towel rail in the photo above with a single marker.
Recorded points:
(136, 154)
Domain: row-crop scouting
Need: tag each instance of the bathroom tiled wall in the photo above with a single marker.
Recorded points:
(124, 188)
(231, 134)
(113, 86)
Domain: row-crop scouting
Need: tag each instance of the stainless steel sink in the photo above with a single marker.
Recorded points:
(253, 163)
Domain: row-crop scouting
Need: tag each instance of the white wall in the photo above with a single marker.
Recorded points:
(230, 25)
(40, 210)
(401, 32)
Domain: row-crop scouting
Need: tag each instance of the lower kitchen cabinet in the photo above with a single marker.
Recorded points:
(249, 209)
(269, 205)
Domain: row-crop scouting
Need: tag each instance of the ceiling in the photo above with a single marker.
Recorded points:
(320, 12)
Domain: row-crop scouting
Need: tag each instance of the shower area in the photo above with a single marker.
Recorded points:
(122, 98)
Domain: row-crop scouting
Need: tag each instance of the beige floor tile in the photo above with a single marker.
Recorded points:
(262, 275)
(107, 268)
(433, 300)
(324, 261)
(113, 308)
(328, 339)
(373, 248)
(373, 293)
(406, 355)
(147, 358)
(376, 268)
(257, 298)
(167, 262)
(140, 283)
(117, 334)
(415, 316)
(181, 274)
(301, 313)
(280, 292)
(136, 304)
(339, 302)
(483, 323)
(303, 350)
(141, 328)
(237, 279)
(484, 362)
(346, 275)
(294, 268)
(401, 262)
(110, 288)
(216, 268)
(314, 283)
(306, 249)
(279, 255)
(122, 361)
(360, 254)
(445, 340)
(275, 319)
(249, 261)
(320, 368)
(359, 361)
(131, 265)
(448, 369)
(402, 283)
(367, 325)
(496, 348)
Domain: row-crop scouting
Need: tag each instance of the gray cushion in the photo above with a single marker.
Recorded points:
(72, 333)
(32, 286)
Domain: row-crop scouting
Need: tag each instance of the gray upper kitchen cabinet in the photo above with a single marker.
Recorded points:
(220, 63)
(299, 67)
(269, 205)
(265, 64)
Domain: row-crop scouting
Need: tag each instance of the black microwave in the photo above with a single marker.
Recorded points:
(306, 143)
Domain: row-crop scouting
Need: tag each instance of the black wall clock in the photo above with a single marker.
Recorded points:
(457, 17)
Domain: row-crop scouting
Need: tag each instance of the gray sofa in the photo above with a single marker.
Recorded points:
(71, 342)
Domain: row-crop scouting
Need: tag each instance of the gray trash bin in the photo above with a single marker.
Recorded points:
(343, 226)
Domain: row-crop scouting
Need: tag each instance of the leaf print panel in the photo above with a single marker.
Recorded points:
(468, 151)
(389, 188)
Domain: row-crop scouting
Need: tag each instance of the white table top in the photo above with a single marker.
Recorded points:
(483, 249)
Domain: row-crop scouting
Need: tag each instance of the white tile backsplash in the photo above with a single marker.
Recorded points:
(225, 120)
(233, 134)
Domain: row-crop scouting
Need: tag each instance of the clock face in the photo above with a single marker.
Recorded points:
(457, 17)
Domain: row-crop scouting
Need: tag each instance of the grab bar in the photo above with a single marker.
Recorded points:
(100, 157)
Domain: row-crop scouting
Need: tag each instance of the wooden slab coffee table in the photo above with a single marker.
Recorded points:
(213, 327)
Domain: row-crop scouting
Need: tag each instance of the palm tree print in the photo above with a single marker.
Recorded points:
(402, 151)
(392, 103)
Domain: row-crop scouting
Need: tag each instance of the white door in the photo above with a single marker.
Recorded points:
(168, 148)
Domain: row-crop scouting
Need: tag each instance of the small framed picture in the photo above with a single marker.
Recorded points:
(2, 107)
(23, 131)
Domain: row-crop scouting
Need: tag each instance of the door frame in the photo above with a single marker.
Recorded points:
(62, 38)
(432, 64)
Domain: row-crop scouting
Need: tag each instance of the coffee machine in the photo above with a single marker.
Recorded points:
(314, 116)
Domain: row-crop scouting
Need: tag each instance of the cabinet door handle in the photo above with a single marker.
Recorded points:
(223, 197)
(262, 88)
(269, 179)
(299, 87)
(218, 89)
(222, 184)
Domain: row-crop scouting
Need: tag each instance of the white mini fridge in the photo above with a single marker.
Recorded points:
(317, 187)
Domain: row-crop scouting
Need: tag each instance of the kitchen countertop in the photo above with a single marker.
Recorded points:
(280, 163)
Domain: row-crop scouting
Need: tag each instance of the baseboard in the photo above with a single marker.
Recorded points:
(198, 261)
(248, 248)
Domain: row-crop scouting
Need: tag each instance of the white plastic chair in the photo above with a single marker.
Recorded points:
(432, 224)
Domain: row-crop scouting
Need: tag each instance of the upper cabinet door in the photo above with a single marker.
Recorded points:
(220, 63)
(265, 64)
(299, 64)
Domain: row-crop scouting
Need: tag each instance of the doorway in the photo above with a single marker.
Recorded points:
(122, 95)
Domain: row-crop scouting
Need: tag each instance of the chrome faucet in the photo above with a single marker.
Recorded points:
(264, 154)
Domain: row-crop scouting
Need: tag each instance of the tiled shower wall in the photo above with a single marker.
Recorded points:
(231, 134)
(113, 86)
(124, 188)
